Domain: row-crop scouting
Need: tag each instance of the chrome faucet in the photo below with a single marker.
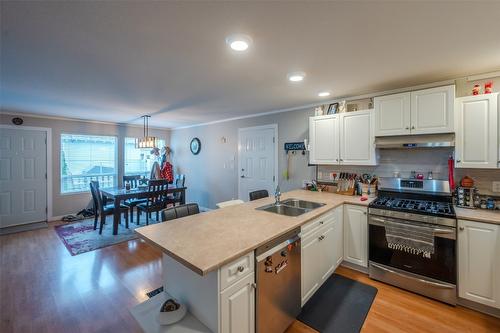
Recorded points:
(277, 195)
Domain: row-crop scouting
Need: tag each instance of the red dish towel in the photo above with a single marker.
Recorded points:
(167, 172)
(451, 176)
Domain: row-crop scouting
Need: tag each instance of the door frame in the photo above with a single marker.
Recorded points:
(276, 139)
(48, 132)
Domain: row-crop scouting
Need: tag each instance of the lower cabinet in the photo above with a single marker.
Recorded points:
(356, 235)
(479, 262)
(322, 252)
(237, 307)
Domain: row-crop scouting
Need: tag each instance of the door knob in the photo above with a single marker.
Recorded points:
(242, 176)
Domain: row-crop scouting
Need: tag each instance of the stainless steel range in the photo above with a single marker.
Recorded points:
(412, 237)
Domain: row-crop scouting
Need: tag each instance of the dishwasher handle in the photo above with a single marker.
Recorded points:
(276, 248)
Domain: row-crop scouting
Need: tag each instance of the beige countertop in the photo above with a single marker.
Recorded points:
(479, 215)
(204, 242)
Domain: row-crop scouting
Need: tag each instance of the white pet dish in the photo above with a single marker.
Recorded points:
(168, 318)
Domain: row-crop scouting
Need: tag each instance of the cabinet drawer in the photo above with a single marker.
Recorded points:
(234, 271)
(311, 227)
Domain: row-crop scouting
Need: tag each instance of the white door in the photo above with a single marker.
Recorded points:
(310, 267)
(257, 160)
(477, 131)
(23, 172)
(355, 235)
(432, 110)
(392, 114)
(237, 305)
(324, 139)
(357, 146)
(479, 262)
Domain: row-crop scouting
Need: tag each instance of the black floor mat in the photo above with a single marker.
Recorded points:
(339, 306)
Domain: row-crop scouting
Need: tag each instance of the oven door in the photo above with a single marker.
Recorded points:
(440, 266)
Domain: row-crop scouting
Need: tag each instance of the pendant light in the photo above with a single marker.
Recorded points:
(146, 141)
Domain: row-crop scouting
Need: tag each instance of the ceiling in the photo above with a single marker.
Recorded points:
(115, 61)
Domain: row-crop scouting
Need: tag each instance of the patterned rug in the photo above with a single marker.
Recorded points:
(80, 237)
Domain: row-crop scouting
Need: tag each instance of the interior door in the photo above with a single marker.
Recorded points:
(23, 172)
(256, 160)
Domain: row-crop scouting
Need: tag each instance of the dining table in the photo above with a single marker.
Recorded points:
(119, 194)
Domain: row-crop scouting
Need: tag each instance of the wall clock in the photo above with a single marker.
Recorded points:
(195, 146)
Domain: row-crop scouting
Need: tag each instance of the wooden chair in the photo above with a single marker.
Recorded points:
(156, 201)
(176, 198)
(173, 213)
(259, 194)
(131, 203)
(102, 210)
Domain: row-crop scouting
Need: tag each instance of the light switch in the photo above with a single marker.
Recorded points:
(495, 186)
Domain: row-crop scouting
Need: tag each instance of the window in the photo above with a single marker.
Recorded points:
(85, 158)
(138, 161)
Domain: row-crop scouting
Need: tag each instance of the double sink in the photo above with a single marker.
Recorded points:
(291, 207)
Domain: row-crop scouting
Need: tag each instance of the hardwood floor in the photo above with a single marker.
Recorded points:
(44, 289)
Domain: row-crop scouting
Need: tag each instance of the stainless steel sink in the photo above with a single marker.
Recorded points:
(301, 203)
(291, 207)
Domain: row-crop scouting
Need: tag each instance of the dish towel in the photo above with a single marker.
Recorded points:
(411, 238)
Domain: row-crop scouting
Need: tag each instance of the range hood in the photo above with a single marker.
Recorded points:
(416, 141)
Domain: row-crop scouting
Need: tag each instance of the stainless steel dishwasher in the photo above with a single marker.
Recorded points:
(278, 283)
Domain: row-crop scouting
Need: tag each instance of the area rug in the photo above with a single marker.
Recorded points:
(340, 305)
(80, 237)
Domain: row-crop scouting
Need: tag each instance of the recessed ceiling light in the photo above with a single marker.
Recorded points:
(239, 43)
(296, 76)
(324, 94)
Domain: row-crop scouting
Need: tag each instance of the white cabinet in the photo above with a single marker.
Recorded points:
(237, 307)
(356, 235)
(427, 111)
(479, 262)
(392, 114)
(357, 146)
(432, 110)
(345, 138)
(324, 139)
(477, 131)
(322, 252)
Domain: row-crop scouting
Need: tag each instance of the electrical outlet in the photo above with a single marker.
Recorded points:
(496, 187)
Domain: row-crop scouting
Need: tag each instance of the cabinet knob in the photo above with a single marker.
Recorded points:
(341, 160)
(321, 222)
(407, 128)
(458, 161)
(364, 213)
(461, 228)
(241, 269)
(413, 127)
(254, 285)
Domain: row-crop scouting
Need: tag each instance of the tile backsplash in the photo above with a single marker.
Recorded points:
(420, 160)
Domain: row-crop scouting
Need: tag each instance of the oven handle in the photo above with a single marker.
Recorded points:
(436, 230)
(435, 284)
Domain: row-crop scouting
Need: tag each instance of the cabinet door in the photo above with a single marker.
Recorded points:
(355, 235)
(479, 262)
(324, 139)
(477, 131)
(392, 114)
(237, 307)
(432, 110)
(310, 266)
(338, 235)
(357, 146)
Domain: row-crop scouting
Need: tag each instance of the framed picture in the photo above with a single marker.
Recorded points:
(333, 108)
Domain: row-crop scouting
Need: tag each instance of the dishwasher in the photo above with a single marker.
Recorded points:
(278, 283)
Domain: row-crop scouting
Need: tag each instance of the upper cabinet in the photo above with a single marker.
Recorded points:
(477, 144)
(345, 138)
(323, 139)
(427, 111)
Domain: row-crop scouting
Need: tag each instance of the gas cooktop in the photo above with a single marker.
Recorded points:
(414, 206)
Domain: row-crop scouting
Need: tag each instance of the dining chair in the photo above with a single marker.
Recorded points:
(131, 203)
(102, 210)
(173, 213)
(259, 194)
(225, 204)
(176, 198)
(156, 201)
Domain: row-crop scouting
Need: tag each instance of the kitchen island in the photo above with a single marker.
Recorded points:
(208, 260)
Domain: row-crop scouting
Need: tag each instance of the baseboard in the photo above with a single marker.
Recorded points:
(355, 267)
(23, 227)
(479, 307)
